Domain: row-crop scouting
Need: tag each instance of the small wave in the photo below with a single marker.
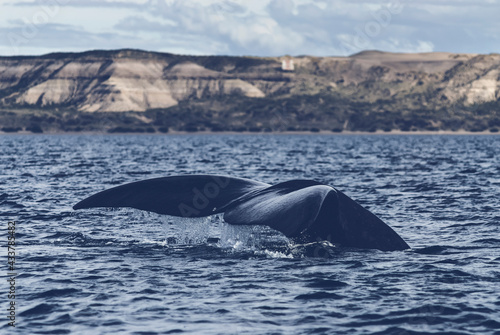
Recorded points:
(493, 241)
(63, 319)
(92, 277)
(327, 284)
(145, 298)
(491, 324)
(59, 281)
(40, 259)
(39, 309)
(11, 204)
(80, 239)
(433, 250)
(56, 293)
(60, 175)
(319, 295)
(138, 173)
(427, 309)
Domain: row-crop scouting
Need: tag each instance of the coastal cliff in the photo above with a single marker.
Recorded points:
(138, 91)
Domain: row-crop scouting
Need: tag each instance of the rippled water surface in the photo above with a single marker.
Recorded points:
(125, 271)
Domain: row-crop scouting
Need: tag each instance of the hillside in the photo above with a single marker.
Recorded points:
(137, 91)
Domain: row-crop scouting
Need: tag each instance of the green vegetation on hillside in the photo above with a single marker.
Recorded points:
(325, 112)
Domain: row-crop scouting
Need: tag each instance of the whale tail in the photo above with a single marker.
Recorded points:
(301, 209)
(310, 212)
(184, 196)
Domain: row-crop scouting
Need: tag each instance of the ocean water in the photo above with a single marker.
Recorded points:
(123, 271)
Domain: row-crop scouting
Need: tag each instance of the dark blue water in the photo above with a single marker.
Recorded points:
(126, 271)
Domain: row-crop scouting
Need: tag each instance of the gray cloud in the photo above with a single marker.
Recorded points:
(79, 3)
(52, 36)
(319, 27)
(139, 23)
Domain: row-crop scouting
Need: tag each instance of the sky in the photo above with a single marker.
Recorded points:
(252, 28)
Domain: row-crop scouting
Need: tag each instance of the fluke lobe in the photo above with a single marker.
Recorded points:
(304, 210)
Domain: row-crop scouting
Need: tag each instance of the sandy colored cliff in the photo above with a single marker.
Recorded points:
(138, 81)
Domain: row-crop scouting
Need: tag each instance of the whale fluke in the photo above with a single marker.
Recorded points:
(185, 196)
(303, 210)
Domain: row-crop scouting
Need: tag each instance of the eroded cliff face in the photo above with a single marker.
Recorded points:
(474, 82)
(112, 84)
(129, 80)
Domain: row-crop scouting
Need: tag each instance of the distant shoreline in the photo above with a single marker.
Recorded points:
(133, 92)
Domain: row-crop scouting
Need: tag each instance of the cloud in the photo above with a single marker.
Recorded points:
(51, 36)
(259, 27)
(237, 28)
(139, 23)
(82, 3)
